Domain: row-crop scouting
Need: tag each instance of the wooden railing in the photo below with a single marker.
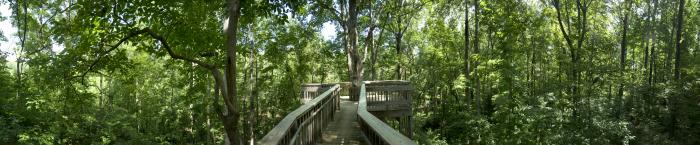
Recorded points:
(305, 124)
(311, 91)
(375, 130)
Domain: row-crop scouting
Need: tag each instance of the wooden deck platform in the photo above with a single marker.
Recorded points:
(344, 130)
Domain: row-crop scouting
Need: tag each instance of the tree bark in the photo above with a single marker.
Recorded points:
(231, 115)
(623, 57)
(252, 90)
(647, 38)
(582, 9)
(679, 47)
(467, 69)
(398, 36)
(20, 99)
(369, 41)
(652, 53)
(677, 67)
(356, 62)
(373, 59)
(477, 96)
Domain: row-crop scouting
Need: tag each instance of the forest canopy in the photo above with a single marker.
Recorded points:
(227, 71)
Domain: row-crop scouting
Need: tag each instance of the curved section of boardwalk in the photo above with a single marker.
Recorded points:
(344, 130)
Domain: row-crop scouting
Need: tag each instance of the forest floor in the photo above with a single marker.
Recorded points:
(344, 130)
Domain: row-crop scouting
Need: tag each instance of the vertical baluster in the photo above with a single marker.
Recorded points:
(317, 125)
(386, 100)
(310, 133)
(306, 134)
(391, 97)
(404, 126)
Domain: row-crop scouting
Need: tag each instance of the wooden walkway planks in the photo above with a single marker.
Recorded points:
(344, 129)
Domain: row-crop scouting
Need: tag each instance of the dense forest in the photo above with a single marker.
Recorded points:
(226, 71)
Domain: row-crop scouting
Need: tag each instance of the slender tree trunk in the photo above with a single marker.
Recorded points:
(679, 47)
(652, 58)
(582, 19)
(375, 53)
(477, 95)
(19, 98)
(210, 136)
(582, 22)
(623, 57)
(253, 96)
(398, 36)
(647, 38)
(467, 65)
(531, 75)
(346, 44)
(652, 53)
(369, 41)
(252, 90)
(677, 67)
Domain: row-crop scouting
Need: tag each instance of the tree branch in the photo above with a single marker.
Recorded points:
(561, 25)
(334, 12)
(153, 35)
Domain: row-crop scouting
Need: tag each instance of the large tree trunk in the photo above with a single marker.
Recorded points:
(230, 118)
(342, 19)
(355, 61)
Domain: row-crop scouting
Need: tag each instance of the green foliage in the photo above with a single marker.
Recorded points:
(523, 96)
(519, 90)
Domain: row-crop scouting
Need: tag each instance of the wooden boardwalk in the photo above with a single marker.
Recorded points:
(330, 119)
(344, 129)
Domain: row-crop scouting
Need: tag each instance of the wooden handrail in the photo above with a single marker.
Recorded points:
(376, 131)
(305, 124)
(311, 91)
